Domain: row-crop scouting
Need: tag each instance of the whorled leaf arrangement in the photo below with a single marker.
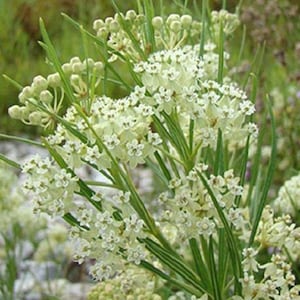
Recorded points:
(201, 233)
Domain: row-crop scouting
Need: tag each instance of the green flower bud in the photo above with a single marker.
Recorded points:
(98, 24)
(108, 20)
(140, 19)
(46, 96)
(67, 68)
(75, 60)
(98, 66)
(196, 25)
(54, 80)
(175, 26)
(78, 84)
(78, 67)
(25, 111)
(157, 22)
(15, 112)
(186, 21)
(171, 18)
(89, 63)
(25, 94)
(102, 33)
(130, 15)
(39, 84)
(114, 26)
(35, 118)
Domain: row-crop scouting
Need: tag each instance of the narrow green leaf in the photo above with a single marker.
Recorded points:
(232, 244)
(9, 161)
(175, 264)
(200, 266)
(50, 50)
(191, 135)
(203, 29)
(269, 177)
(174, 282)
(149, 30)
(222, 259)
(157, 171)
(163, 167)
(20, 139)
(242, 47)
(219, 161)
(17, 85)
(213, 271)
(221, 54)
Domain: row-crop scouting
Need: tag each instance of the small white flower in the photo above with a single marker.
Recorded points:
(135, 148)
(205, 227)
(111, 141)
(249, 262)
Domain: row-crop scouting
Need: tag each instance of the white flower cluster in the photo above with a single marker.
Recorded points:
(229, 21)
(279, 233)
(175, 31)
(181, 82)
(288, 200)
(282, 237)
(110, 236)
(52, 188)
(122, 124)
(188, 210)
(130, 284)
(45, 95)
(111, 30)
(277, 283)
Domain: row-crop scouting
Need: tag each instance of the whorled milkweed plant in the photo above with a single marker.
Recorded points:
(203, 233)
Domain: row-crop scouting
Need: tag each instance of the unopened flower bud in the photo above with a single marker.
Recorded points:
(175, 26)
(78, 67)
(25, 111)
(25, 94)
(75, 60)
(114, 26)
(140, 19)
(78, 84)
(35, 118)
(196, 25)
(15, 112)
(186, 21)
(157, 22)
(89, 63)
(108, 20)
(98, 24)
(98, 66)
(46, 96)
(67, 68)
(130, 14)
(39, 84)
(54, 80)
(102, 33)
(173, 17)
